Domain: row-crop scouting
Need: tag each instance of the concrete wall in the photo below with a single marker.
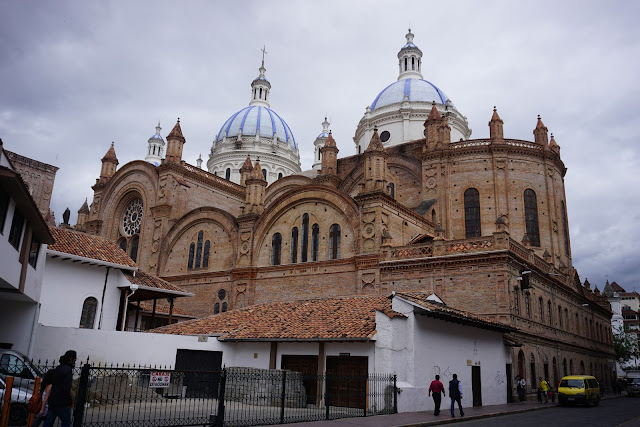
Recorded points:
(102, 346)
(17, 319)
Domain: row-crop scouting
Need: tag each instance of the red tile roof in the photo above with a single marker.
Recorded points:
(616, 287)
(336, 319)
(84, 245)
(143, 279)
(333, 319)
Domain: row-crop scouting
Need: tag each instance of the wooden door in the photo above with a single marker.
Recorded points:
(308, 367)
(347, 378)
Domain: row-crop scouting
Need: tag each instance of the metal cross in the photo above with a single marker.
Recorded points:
(264, 51)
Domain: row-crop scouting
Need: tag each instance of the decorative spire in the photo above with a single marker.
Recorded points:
(260, 86)
(432, 127)
(84, 208)
(330, 142)
(496, 132)
(540, 133)
(176, 132)
(247, 164)
(434, 114)
(111, 155)
(245, 170)
(158, 129)
(256, 173)
(410, 60)
(199, 161)
(553, 145)
(375, 144)
(325, 125)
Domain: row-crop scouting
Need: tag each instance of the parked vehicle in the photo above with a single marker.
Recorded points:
(576, 389)
(19, 398)
(633, 383)
(17, 365)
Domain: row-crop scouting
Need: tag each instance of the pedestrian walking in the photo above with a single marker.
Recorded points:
(544, 391)
(455, 393)
(60, 401)
(45, 388)
(521, 385)
(436, 388)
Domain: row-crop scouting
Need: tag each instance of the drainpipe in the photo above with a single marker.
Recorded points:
(104, 291)
(133, 287)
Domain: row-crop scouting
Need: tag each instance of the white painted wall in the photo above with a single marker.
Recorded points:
(416, 348)
(66, 285)
(102, 346)
(17, 319)
(9, 256)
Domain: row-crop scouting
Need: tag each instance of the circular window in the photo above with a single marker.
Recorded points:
(384, 136)
(222, 293)
(132, 218)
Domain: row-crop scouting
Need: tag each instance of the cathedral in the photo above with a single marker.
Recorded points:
(420, 207)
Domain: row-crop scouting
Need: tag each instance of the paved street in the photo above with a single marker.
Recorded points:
(611, 412)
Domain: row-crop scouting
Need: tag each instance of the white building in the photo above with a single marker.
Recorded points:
(412, 335)
(23, 238)
(400, 110)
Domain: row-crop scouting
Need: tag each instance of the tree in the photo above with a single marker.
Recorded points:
(624, 345)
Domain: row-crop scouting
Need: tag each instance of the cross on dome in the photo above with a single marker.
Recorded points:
(260, 86)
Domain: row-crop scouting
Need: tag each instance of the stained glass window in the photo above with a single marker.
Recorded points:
(472, 213)
(531, 216)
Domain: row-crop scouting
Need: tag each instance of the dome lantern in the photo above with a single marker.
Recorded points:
(410, 60)
(260, 86)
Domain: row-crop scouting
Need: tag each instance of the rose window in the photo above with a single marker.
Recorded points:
(132, 218)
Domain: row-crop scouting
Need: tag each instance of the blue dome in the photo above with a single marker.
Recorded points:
(415, 89)
(156, 136)
(323, 135)
(251, 120)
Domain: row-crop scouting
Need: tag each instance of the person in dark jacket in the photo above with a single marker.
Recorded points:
(60, 401)
(455, 393)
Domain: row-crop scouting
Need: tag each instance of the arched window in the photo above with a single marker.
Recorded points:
(549, 313)
(216, 308)
(516, 301)
(565, 225)
(260, 93)
(134, 248)
(224, 307)
(433, 216)
(560, 316)
(227, 174)
(294, 245)
(334, 242)
(123, 244)
(391, 189)
(279, 175)
(413, 63)
(405, 64)
(541, 308)
(305, 237)
(192, 252)
(531, 216)
(264, 173)
(319, 155)
(88, 316)
(205, 257)
(527, 304)
(199, 249)
(315, 236)
(276, 245)
(472, 213)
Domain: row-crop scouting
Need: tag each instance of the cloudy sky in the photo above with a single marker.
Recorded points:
(76, 75)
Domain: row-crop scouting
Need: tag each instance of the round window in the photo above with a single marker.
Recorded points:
(222, 294)
(132, 218)
(384, 136)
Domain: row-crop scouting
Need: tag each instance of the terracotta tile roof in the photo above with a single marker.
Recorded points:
(444, 311)
(84, 245)
(84, 208)
(143, 279)
(375, 144)
(617, 287)
(176, 132)
(335, 319)
(162, 307)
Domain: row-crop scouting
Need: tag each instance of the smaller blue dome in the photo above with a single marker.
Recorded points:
(257, 119)
(156, 136)
(416, 89)
(323, 135)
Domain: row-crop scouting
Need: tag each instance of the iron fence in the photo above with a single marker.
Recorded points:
(115, 396)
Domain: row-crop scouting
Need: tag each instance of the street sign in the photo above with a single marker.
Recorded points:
(160, 379)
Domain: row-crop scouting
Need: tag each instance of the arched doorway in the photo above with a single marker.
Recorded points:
(555, 373)
(532, 365)
(521, 364)
(582, 367)
(564, 367)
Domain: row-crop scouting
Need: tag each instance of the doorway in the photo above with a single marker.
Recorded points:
(308, 367)
(200, 370)
(509, 383)
(476, 386)
(347, 381)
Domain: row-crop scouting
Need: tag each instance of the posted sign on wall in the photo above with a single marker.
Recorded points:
(160, 379)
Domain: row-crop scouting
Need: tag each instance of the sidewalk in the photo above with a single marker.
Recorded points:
(426, 418)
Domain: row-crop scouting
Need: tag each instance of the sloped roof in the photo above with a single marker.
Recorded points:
(144, 280)
(333, 319)
(438, 310)
(616, 287)
(86, 246)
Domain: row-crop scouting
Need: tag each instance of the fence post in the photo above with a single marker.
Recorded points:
(220, 415)
(395, 395)
(282, 395)
(364, 400)
(326, 395)
(81, 397)
(6, 406)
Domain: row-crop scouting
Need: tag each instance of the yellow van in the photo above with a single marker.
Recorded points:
(579, 389)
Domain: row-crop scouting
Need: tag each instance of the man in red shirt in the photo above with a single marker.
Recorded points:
(436, 387)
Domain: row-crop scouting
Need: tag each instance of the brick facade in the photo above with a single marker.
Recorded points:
(382, 200)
